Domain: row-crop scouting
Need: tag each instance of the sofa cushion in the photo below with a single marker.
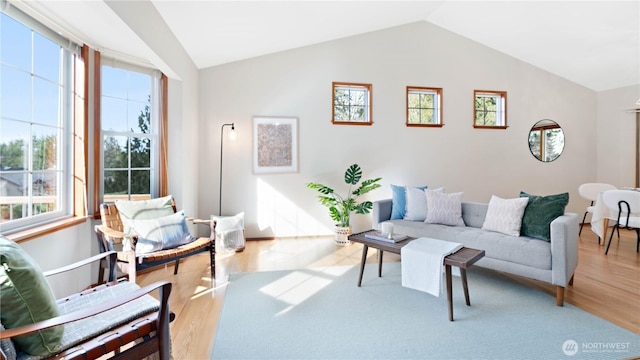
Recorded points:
(25, 298)
(162, 233)
(518, 250)
(505, 215)
(399, 200)
(540, 212)
(444, 208)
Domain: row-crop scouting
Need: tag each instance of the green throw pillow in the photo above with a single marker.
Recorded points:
(25, 298)
(540, 212)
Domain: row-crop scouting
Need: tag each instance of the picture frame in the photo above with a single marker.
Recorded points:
(275, 144)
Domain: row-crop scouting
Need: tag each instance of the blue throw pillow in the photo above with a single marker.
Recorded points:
(399, 201)
(162, 233)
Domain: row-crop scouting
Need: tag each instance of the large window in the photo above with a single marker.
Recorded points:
(36, 115)
(351, 103)
(424, 106)
(129, 123)
(490, 109)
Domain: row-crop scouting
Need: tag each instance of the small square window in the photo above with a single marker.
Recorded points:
(424, 106)
(490, 109)
(351, 104)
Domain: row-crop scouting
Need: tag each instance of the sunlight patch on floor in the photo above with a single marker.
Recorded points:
(298, 286)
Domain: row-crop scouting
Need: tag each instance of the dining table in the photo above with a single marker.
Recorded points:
(602, 214)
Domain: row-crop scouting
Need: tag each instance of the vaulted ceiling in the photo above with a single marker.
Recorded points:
(593, 43)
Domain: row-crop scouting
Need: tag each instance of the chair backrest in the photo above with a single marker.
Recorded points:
(590, 191)
(611, 199)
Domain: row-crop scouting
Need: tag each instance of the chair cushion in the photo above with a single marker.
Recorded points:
(505, 215)
(540, 212)
(165, 232)
(25, 298)
(6, 345)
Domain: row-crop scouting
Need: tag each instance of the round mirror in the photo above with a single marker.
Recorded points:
(546, 140)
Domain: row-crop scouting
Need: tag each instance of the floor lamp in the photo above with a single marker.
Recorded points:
(232, 136)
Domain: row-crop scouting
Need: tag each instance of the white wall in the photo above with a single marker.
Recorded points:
(478, 162)
(617, 136)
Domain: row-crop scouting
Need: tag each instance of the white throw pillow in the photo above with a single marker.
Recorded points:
(444, 208)
(416, 209)
(505, 215)
(416, 203)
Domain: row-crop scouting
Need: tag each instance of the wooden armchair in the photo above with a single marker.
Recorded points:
(114, 320)
(110, 234)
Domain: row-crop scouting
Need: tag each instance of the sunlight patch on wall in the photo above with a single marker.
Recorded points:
(283, 216)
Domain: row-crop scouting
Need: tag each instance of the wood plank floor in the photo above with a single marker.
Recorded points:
(605, 285)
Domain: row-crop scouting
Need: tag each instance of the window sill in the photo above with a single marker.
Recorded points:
(38, 231)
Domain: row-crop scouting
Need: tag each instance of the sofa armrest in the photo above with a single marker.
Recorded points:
(564, 248)
(381, 212)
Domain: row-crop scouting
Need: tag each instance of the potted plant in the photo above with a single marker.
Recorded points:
(341, 207)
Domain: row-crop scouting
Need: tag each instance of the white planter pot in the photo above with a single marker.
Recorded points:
(342, 235)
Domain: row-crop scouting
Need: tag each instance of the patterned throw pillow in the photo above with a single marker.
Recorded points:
(162, 233)
(505, 215)
(444, 208)
(143, 209)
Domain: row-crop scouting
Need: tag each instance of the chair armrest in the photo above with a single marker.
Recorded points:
(112, 255)
(165, 290)
(110, 237)
(198, 221)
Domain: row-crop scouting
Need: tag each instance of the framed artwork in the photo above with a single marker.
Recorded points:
(275, 145)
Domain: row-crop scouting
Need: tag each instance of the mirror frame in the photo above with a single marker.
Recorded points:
(542, 126)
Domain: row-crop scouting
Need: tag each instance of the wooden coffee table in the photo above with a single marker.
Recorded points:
(462, 259)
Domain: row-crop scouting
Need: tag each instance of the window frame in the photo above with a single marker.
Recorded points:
(437, 110)
(367, 107)
(501, 105)
(70, 181)
(157, 135)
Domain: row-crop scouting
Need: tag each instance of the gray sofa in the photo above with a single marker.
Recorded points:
(553, 262)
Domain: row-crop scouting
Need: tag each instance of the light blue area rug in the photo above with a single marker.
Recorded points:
(322, 314)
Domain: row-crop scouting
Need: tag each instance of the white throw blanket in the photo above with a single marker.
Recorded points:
(422, 263)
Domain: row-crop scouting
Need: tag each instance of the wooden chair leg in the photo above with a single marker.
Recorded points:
(559, 295)
(175, 268)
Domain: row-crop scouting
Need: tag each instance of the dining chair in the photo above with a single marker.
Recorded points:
(590, 192)
(627, 205)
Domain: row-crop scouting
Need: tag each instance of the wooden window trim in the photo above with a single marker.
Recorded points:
(163, 131)
(418, 88)
(333, 102)
(503, 96)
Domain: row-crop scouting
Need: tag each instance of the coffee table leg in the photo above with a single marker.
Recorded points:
(447, 270)
(380, 252)
(463, 275)
(364, 258)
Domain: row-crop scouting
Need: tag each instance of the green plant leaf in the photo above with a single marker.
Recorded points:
(353, 174)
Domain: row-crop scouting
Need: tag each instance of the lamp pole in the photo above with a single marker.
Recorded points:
(233, 130)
